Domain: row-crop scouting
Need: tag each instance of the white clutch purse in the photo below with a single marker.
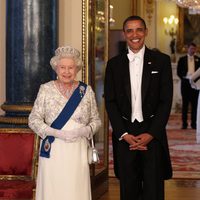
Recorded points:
(93, 155)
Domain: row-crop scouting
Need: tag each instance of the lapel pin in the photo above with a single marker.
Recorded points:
(149, 62)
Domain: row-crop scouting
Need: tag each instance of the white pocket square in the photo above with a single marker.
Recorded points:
(154, 72)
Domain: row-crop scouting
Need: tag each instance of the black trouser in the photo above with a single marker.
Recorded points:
(189, 96)
(141, 172)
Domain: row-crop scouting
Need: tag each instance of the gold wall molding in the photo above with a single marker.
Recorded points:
(17, 108)
(95, 55)
(15, 130)
(85, 39)
(135, 7)
(14, 120)
(149, 10)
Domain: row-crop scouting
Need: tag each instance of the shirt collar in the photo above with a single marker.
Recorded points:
(139, 54)
(189, 56)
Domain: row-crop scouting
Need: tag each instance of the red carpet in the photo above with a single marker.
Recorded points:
(185, 153)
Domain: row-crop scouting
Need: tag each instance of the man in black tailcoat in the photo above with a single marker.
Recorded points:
(138, 98)
(187, 65)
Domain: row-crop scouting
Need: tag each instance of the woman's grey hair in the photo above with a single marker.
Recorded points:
(66, 52)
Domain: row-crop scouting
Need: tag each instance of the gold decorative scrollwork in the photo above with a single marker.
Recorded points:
(149, 10)
(189, 30)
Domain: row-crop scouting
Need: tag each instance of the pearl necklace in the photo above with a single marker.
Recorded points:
(65, 91)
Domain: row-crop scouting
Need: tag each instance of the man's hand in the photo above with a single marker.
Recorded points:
(133, 141)
(142, 141)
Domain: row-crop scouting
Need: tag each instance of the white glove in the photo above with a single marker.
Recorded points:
(85, 131)
(71, 135)
(59, 134)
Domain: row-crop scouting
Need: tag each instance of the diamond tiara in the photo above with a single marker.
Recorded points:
(67, 50)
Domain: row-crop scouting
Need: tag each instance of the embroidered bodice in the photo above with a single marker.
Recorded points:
(50, 102)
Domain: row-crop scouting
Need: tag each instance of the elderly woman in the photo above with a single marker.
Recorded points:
(195, 83)
(65, 116)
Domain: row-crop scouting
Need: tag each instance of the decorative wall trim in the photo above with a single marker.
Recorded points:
(17, 108)
(149, 10)
(85, 21)
(14, 120)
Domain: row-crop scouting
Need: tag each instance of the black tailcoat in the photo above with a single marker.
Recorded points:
(157, 92)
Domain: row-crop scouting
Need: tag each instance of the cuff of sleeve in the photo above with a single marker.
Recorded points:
(121, 138)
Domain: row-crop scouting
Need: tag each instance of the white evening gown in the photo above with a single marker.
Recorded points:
(198, 121)
(65, 175)
(196, 85)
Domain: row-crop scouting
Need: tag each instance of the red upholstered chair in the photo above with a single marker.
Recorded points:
(18, 163)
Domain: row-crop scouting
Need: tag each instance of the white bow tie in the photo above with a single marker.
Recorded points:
(132, 56)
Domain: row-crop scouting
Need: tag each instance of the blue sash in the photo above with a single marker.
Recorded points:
(63, 117)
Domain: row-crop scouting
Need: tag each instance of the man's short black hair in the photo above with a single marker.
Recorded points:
(132, 18)
(192, 44)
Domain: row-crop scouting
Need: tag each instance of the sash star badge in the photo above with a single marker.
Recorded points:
(82, 90)
(47, 145)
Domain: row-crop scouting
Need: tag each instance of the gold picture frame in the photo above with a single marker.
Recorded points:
(95, 27)
(188, 31)
(95, 46)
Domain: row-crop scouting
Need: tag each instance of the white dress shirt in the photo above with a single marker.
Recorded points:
(136, 69)
(191, 65)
